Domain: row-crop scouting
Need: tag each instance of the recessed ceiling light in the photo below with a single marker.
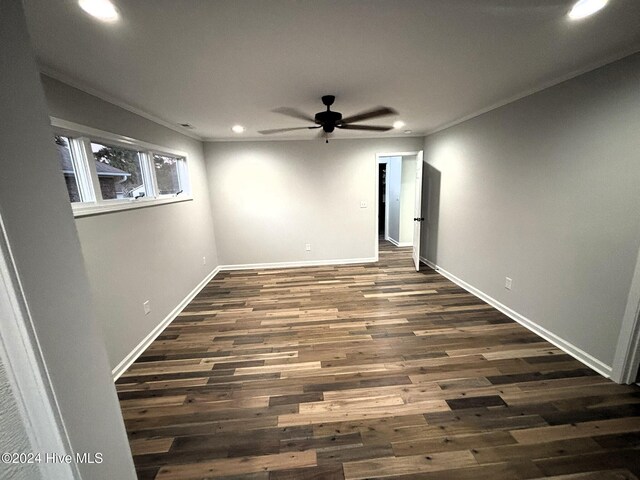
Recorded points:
(584, 8)
(101, 9)
(237, 128)
(408, 131)
(398, 124)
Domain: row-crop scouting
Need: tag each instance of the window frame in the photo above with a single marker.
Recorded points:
(85, 190)
(92, 203)
(181, 169)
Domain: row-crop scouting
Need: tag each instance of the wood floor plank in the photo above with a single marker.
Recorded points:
(476, 441)
(367, 371)
(225, 467)
(392, 466)
(622, 474)
(577, 430)
(145, 446)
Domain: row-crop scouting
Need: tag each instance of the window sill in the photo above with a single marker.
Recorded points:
(91, 209)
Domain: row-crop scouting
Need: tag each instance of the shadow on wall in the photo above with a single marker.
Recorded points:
(430, 212)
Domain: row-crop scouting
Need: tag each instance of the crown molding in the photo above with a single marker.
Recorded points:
(548, 84)
(72, 82)
(302, 139)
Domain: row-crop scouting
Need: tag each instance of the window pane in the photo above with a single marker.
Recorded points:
(118, 171)
(167, 174)
(67, 167)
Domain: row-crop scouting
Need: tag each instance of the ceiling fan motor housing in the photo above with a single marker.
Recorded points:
(328, 120)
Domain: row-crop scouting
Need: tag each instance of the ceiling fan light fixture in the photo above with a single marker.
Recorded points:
(584, 8)
(398, 124)
(103, 10)
(238, 129)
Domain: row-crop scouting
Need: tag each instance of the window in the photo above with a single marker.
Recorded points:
(168, 172)
(119, 172)
(67, 167)
(106, 172)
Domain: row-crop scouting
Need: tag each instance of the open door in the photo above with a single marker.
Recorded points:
(417, 213)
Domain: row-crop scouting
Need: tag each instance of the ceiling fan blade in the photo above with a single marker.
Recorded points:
(373, 113)
(292, 112)
(281, 130)
(375, 128)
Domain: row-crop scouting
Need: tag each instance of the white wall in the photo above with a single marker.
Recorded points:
(407, 199)
(394, 182)
(546, 190)
(271, 198)
(151, 253)
(39, 225)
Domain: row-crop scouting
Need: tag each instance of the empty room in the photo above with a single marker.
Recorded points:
(331, 239)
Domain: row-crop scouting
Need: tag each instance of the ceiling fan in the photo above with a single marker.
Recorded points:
(329, 120)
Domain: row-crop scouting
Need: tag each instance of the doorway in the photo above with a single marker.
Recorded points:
(382, 199)
(399, 200)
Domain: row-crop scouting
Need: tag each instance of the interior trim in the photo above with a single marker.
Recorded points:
(306, 263)
(27, 373)
(127, 361)
(148, 340)
(556, 81)
(564, 345)
(66, 79)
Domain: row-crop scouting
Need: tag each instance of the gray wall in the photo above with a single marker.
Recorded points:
(14, 438)
(546, 191)
(41, 233)
(144, 254)
(271, 198)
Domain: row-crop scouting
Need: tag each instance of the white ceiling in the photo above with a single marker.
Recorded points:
(217, 63)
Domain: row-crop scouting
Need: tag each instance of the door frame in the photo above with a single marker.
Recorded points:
(626, 362)
(380, 156)
(382, 161)
(27, 374)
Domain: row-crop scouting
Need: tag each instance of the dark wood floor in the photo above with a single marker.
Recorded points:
(367, 371)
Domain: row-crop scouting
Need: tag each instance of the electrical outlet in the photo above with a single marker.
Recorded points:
(147, 307)
(204, 260)
(507, 283)
(363, 204)
(307, 247)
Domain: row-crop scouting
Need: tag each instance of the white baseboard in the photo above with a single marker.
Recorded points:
(399, 244)
(429, 263)
(564, 345)
(146, 341)
(306, 263)
(579, 354)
